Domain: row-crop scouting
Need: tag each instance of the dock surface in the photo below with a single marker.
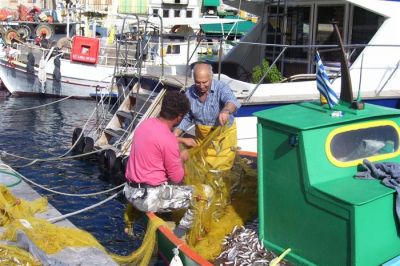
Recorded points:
(68, 256)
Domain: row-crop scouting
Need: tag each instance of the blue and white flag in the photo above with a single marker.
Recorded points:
(323, 84)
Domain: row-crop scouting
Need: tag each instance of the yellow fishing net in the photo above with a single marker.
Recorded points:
(225, 191)
(17, 215)
(223, 198)
(13, 208)
(10, 255)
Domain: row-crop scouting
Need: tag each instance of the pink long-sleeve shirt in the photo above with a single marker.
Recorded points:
(154, 157)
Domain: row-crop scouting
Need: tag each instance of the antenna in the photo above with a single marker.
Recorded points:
(346, 91)
(359, 83)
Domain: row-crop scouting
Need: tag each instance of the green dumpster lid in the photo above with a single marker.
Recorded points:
(241, 27)
(310, 115)
(211, 2)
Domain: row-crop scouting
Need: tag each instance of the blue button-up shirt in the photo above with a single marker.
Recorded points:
(207, 113)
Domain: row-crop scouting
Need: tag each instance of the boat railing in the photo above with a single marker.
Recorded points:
(24, 49)
(332, 65)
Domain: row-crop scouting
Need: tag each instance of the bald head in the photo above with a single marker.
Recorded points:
(202, 74)
(202, 69)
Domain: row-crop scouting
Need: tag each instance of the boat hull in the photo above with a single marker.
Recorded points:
(19, 82)
(167, 241)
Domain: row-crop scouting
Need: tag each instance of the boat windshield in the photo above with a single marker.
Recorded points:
(364, 142)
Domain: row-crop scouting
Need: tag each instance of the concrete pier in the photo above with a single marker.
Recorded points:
(68, 256)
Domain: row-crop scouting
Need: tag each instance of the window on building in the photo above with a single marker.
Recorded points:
(155, 12)
(165, 13)
(177, 13)
(189, 13)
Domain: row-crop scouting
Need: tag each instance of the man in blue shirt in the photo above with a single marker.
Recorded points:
(212, 104)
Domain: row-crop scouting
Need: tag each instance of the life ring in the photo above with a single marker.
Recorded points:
(78, 138)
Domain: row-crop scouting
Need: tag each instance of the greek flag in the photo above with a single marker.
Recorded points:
(323, 84)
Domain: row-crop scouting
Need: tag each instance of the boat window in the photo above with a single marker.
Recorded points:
(356, 142)
(325, 33)
(365, 25)
(298, 27)
(274, 31)
(173, 49)
(298, 33)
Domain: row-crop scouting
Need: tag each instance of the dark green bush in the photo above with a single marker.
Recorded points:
(274, 76)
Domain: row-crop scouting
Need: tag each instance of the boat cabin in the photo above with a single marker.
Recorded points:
(302, 24)
(309, 199)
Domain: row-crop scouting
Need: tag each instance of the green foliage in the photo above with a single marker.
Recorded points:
(273, 76)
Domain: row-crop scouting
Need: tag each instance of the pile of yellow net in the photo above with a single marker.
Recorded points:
(223, 198)
(17, 215)
(10, 255)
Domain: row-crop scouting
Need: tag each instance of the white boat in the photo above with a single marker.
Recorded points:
(87, 69)
(374, 70)
(77, 80)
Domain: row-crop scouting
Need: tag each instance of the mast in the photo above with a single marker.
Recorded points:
(346, 91)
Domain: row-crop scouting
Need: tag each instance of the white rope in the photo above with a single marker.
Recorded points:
(62, 217)
(54, 158)
(40, 106)
(58, 192)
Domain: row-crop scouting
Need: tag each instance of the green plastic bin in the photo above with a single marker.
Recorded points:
(309, 200)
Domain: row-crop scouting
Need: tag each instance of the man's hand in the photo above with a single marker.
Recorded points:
(223, 117)
(184, 155)
(188, 142)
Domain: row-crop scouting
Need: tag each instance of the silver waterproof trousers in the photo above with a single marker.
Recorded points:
(163, 198)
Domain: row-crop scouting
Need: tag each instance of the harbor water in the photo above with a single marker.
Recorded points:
(46, 132)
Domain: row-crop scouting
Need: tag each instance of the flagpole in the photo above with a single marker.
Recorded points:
(359, 83)
(324, 86)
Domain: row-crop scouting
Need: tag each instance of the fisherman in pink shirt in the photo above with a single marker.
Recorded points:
(155, 165)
